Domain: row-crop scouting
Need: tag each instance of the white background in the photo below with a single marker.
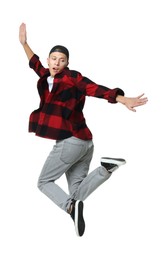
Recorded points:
(117, 44)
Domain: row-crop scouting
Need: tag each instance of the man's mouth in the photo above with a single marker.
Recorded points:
(55, 69)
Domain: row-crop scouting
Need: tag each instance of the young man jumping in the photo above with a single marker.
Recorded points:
(60, 117)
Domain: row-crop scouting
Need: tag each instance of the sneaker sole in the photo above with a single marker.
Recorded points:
(117, 161)
(79, 220)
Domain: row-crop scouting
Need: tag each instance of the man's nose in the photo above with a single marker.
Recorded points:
(57, 62)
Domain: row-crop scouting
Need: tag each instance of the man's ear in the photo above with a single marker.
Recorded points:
(48, 61)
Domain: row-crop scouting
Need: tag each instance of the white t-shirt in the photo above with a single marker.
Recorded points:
(50, 82)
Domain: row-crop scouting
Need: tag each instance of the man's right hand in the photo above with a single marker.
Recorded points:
(22, 34)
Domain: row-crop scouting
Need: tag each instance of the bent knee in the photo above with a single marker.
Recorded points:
(40, 184)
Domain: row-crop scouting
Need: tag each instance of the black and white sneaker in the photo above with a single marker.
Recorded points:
(111, 164)
(77, 216)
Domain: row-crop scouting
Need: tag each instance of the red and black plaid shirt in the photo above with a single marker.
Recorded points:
(60, 115)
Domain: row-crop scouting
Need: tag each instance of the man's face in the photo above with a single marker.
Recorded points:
(57, 61)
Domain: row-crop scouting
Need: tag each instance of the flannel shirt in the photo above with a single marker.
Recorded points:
(60, 113)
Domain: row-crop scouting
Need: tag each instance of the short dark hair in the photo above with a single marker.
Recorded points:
(60, 48)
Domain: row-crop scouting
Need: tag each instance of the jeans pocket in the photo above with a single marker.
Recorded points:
(71, 152)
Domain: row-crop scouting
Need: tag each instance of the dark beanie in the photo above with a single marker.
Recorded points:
(60, 48)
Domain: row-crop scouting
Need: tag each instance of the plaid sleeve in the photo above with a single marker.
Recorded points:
(37, 66)
(89, 88)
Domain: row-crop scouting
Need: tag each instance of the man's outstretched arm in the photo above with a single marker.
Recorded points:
(23, 41)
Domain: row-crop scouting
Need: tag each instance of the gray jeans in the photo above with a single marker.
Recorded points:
(71, 156)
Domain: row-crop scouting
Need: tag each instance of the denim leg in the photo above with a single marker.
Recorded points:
(80, 183)
(92, 182)
(64, 156)
(79, 171)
